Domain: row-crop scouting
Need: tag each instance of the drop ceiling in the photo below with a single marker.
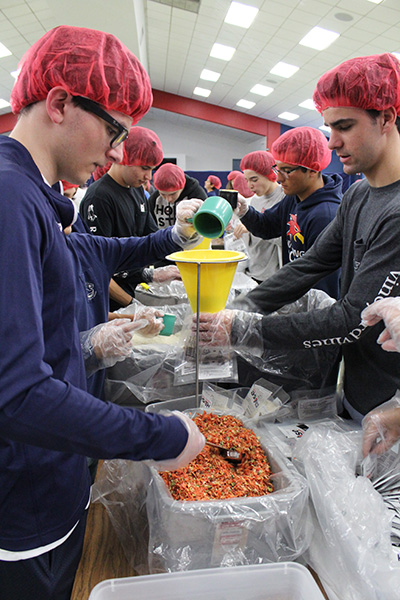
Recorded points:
(175, 43)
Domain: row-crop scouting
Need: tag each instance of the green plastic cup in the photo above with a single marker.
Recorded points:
(213, 217)
(169, 323)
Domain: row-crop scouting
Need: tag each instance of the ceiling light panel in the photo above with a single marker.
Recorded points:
(245, 104)
(284, 69)
(209, 75)
(309, 104)
(241, 15)
(201, 92)
(288, 116)
(261, 90)
(319, 38)
(222, 52)
(4, 51)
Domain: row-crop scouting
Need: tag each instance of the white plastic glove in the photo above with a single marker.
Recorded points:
(381, 427)
(108, 343)
(195, 444)
(168, 273)
(242, 207)
(183, 232)
(387, 309)
(151, 318)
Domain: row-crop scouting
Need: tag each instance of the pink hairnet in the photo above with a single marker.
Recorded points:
(100, 171)
(85, 62)
(143, 147)
(367, 82)
(169, 178)
(261, 162)
(239, 183)
(304, 146)
(215, 181)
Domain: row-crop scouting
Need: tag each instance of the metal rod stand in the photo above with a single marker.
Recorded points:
(197, 354)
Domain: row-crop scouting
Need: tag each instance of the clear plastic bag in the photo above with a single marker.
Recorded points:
(351, 549)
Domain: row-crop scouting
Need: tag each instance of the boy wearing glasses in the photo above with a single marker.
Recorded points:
(310, 202)
(74, 113)
(360, 102)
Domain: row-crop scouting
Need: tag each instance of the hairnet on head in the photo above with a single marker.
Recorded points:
(85, 62)
(239, 183)
(142, 147)
(367, 82)
(303, 146)
(169, 178)
(215, 181)
(100, 171)
(261, 162)
(67, 185)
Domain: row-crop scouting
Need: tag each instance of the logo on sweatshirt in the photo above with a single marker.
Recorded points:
(294, 231)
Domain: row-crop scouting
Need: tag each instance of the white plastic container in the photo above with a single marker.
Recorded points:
(283, 581)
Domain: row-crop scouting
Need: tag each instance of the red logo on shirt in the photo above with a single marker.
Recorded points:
(294, 231)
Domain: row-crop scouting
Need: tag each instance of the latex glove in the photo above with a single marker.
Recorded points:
(195, 444)
(387, 309)
(242, 207)
(214, 328)
(108, 343)
(168, 273)
(239, 230)
(183, 230)
(381, 427)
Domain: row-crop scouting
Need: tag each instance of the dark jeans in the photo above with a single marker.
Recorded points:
(49, 576)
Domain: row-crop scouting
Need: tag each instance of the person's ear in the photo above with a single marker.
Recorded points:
(389, 119)
(56, 101)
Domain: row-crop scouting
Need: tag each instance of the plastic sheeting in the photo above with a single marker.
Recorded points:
(161, 534)
(351, 547)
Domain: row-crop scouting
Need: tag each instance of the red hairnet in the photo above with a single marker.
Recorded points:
(261, 162)
(100, 171)
(68, 186)
(239, 184)
(169, 178)
(303, 146)
(215, 181)
(367, 82)
(85, 62)
(142, 147)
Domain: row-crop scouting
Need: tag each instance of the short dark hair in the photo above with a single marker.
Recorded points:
(373, 113)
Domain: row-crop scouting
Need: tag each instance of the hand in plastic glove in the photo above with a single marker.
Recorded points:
(194, 445)
(387, 309)
(214, 328)
(113, 339)
(242, 206)
(185, 210)
(239, 230)
(381, 427)
(153, 319)
(168, 273)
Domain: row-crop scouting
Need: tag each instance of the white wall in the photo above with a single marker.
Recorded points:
(199, 145)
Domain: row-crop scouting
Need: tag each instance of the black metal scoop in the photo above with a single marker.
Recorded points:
(230, 454)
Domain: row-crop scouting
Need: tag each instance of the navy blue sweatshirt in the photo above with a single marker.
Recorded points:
(49, 423)
(299, 224)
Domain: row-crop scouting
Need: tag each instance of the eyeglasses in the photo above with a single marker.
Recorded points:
(284, 172)
(93, 107)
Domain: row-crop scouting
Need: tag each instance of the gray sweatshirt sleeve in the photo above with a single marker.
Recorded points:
(372, 270)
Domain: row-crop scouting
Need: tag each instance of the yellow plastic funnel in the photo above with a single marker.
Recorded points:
(217, 269)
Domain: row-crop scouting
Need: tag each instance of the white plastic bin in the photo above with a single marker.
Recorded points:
(283, 581)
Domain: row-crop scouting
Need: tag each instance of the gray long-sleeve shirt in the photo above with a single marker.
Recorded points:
(364, 241)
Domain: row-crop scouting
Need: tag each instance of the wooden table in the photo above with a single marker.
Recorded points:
(103, 556)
